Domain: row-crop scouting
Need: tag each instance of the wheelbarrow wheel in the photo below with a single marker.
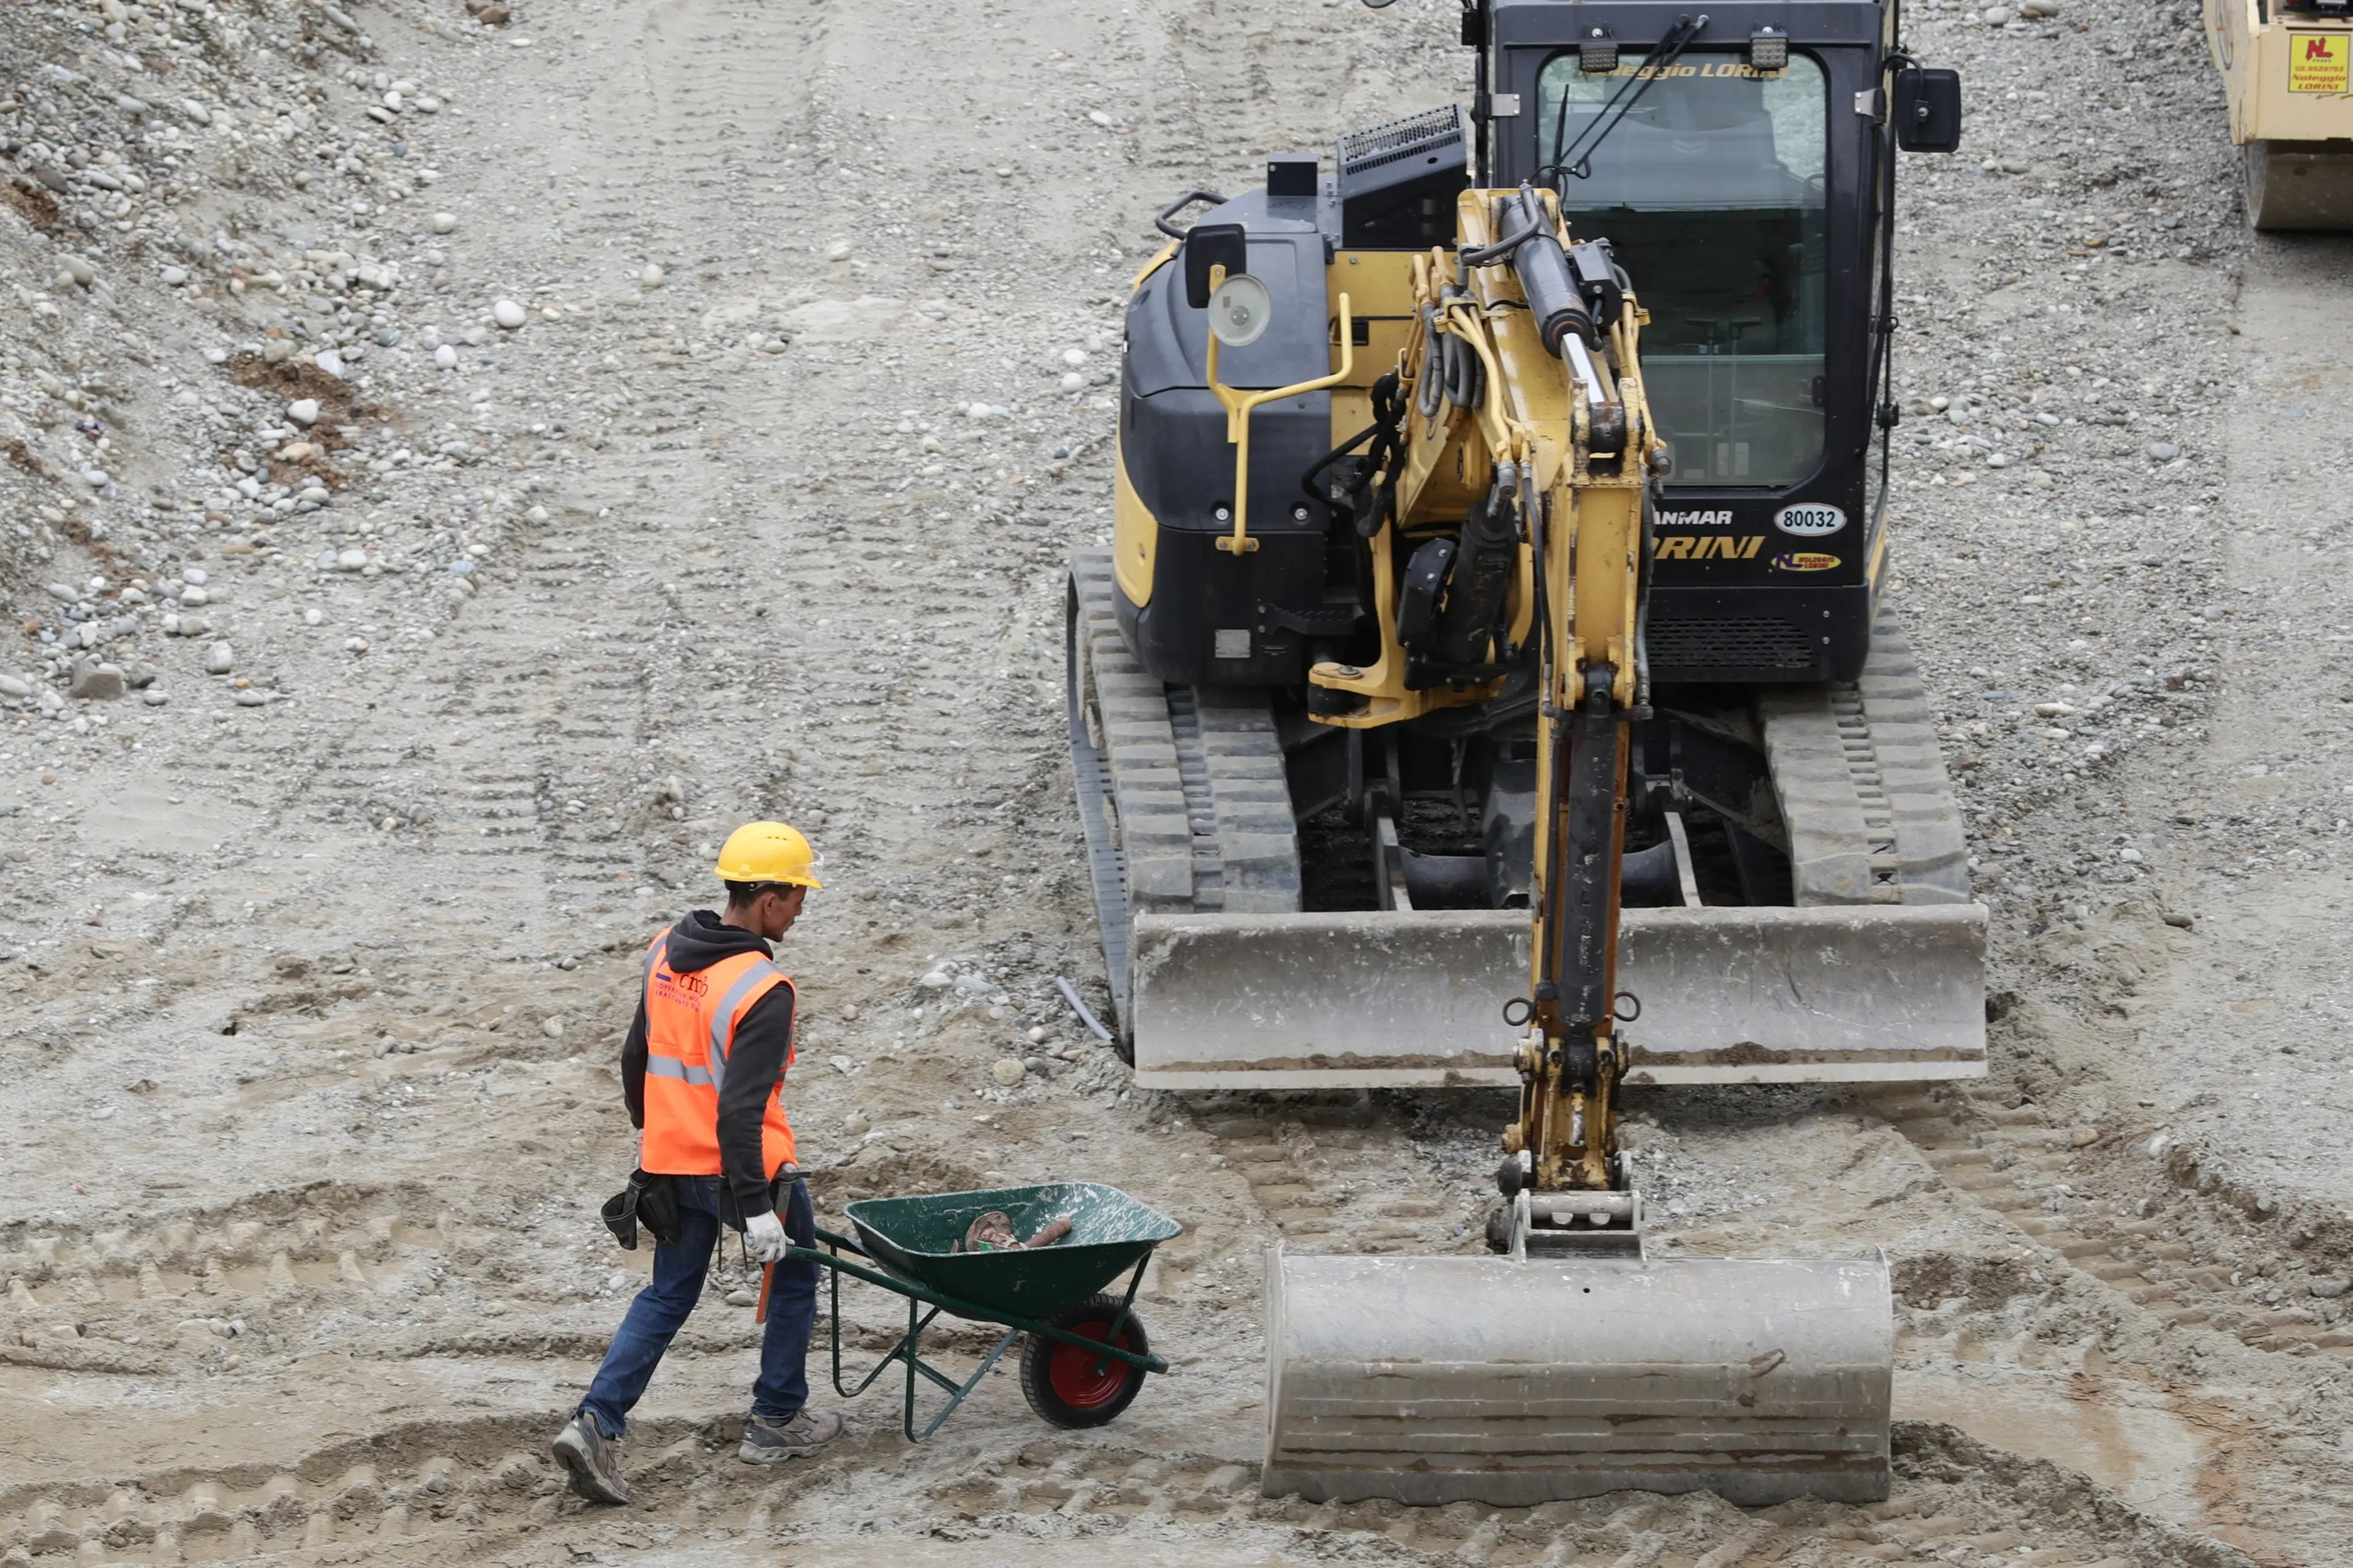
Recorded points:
(1068, 1386)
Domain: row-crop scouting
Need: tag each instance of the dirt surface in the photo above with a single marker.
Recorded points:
(313, 971)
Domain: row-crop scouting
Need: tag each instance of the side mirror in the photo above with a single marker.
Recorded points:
(1927, 109)
(1210, 245)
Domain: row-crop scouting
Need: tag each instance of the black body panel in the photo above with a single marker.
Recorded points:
(1207, 621)
(1781, 636)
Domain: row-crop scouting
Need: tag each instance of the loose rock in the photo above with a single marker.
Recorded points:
(94, 681)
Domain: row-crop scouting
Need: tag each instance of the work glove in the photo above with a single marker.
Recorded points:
(764, 1238)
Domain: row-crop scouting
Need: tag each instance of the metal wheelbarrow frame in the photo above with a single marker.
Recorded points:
(1112, 1234)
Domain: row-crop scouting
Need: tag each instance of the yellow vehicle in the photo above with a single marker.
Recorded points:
(2285, 65)
(1487, 683)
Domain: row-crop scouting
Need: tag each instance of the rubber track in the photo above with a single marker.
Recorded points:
(1863, 787)
(1181, 789)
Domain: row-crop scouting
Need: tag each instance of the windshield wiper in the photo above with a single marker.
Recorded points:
(1577, 162)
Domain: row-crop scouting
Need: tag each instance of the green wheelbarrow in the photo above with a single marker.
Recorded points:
(1086, 1355)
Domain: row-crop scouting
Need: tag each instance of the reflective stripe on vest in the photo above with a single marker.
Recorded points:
(722, 1017)
(670, 1067)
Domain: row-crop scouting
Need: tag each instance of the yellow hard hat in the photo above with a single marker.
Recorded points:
(769, 852)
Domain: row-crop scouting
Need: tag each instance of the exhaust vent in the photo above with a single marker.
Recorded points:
(1399, 181)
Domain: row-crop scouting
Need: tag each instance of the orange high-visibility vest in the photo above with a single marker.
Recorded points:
(690, 1033)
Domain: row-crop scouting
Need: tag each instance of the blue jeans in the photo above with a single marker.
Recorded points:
(660, 1311)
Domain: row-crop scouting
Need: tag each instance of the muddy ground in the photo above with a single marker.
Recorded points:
(315, 968)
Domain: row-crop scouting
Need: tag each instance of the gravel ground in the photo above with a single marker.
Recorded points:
(458, 469)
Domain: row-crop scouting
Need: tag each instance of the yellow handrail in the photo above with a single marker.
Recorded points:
(1239, 408)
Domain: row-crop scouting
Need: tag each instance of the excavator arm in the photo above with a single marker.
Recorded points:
(1524, 395)
(1575, 1365)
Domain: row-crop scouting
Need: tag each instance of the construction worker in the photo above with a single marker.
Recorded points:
(703, 1072)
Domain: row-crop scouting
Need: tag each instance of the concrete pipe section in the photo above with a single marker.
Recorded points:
(1844, 993)
(1438, 1380)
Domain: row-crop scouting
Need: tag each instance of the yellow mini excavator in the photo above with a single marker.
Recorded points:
(1487, 684)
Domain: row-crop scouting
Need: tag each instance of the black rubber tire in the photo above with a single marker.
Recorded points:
(1061, 1382)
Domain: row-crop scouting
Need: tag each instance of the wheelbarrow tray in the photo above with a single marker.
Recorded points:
(1111, 1233)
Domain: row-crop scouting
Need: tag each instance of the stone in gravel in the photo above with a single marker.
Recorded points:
(2164, 451)
(64, 592)
(1074, 382)
(1009, 1071)
(352, 560)
(219, 658)
(652, 277)
(303, 411)
(1039, 1033)
(139, 676)
(938, 980)
(154, 697)
(446, 357)
(94, 681)
(174, 276)
(509, 314)
(2329, 1289)
(856, 1125)
(2084, 1137)
(14, 686)
(445, 223)
(251, 698)
(552, 1028)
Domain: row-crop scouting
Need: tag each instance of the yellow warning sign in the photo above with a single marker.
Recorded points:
(2315, 61)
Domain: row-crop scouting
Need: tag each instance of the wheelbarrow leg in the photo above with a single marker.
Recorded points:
(1110, 1336)
(956, 1391)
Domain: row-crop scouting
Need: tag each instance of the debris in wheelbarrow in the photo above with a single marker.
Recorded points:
(1086, 1355)
(993, 1232)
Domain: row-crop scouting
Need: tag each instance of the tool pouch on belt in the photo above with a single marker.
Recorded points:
(648, 1200)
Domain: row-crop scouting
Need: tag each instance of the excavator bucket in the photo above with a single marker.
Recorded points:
(1840, 993)
(1511, 1383)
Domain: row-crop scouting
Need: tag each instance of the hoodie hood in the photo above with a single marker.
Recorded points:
(701, 939)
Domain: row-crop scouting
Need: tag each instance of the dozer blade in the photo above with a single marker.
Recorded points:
(1437, 1379)
(1839, 995)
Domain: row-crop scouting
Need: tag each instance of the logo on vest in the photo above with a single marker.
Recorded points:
(687, 988)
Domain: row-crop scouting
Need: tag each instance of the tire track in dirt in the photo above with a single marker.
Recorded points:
(2123, 1324)
(423, 1491)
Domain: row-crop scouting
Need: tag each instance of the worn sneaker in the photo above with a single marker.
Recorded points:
(767, 1442)
(593, 1460)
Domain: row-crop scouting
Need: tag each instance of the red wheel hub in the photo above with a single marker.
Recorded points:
(1083, 1379)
